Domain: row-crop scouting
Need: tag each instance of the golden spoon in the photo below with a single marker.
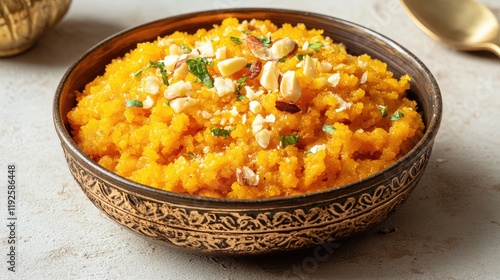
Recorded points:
(461, 24)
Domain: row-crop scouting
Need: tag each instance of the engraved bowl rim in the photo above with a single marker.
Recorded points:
(423, 145)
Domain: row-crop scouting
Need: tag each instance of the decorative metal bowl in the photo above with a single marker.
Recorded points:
(245, 227)
(22, 22)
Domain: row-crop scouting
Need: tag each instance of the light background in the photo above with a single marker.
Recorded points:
(448, 229)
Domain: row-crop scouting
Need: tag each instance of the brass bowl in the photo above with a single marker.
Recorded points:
(23, 22)
(245, 227)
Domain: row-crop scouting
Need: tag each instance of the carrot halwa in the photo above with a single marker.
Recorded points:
(245, 110)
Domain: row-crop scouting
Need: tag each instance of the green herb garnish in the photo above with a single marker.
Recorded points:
(241, 80)
(315, 46)
(161, 66)
(302, 55)
(247, 32)
(383, 110)
(396, 116)
(216, 131)
(191, 155)
(198, 67)
(207, 62)
(236, 40)
(185, 48)
(167, 103)
(328, 128)
(138, 73)
(283, 59)
(240, 83)
(133, 103)
(287, 140)
(267, 42)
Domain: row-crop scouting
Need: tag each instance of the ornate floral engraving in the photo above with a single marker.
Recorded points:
(248, 231)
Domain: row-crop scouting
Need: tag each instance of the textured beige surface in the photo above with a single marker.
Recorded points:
(448, 229)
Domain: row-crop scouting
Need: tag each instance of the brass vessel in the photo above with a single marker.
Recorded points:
(22, 22)
(253, 226)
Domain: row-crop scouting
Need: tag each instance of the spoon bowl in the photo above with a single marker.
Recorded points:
(461, 24)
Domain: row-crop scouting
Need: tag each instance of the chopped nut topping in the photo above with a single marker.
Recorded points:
(316, 148)
(182, 59)
(308, 66)
(282, 48)
(148, 102)
(181, 71)
(175, 49)
(279, 49)
(179, 104)
(343, 105)
(175, 90)
(364, 78)
(170, 62)
(287, 107)
(334, 79)
(256, 47)
(231, 65)
(205, 114)
(270, 118)
(224, 86)
(255, 106)
(324, 66)
(246, 177)
(251, 94)
(220, 53)
(263, 138)
(152, 84)
(269, 78)
(257, 124)
(290, 87)
(205, 48)
(254, 70)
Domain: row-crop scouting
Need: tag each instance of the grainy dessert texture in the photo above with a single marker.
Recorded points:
(245, 110)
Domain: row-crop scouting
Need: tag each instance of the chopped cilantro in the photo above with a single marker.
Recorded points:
(167, 103)
(198, 67)
(191, 155)
(240, 97)
(266, 41)
(138, 73)
(383, 110)
(133, 103)
(236, 40)
(287, 140)
(328, 128)
(184, 47)
(302, 55)
(241, 80)
(241, 83)
(283, 59)
(161, 66)
(396, 116)
(247, 32)
(207, 62)
(315, 46)
(216, 131)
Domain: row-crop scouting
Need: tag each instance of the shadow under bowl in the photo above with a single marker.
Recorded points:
(249, 227)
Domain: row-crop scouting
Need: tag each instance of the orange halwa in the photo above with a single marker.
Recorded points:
(245, 110)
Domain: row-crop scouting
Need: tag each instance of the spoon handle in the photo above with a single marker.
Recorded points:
(495, 47)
